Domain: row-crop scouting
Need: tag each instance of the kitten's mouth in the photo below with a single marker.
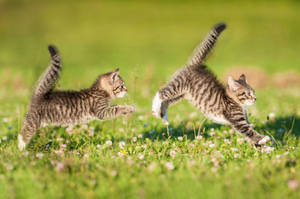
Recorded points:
(121, 95)
(249, 102)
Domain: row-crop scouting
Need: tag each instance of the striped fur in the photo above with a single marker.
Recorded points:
(47, 81)
(208, 43)
(71, 107)
(194, 82)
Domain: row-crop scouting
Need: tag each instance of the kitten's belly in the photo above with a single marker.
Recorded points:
(69, 121)
(217, 119)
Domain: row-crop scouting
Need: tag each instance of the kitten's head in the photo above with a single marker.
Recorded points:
(241, 91)
(112, 83)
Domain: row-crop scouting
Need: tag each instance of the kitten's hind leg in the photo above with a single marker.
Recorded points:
(30, 125)
(176, 87)
(165, 105)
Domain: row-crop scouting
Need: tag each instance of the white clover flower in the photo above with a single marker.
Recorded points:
(59, 152)
(63, 146)
(211, 145)
(293, 184)
(130, 160)
(193, 114)
(240, 140)
(91, 133)
(108, 143)
(25, 153)
(134, 139)
(140, 136)
(120, 154)
(272, 116)
(227, 141)
(234, 149)
(39, 155)
(166, 142)
(141, 117)
(84, 126)
(6, 120)
(169, 166)
(121, 130)
(199, 137)
(152, 166)
(122, 144)
(4, 138)
(59, 139)
(69, 129)
(267, 149)
(8, 166)
(212, 133)
(59, 166)
(141, 156)
(98, 146)
(173, 153)
(114, 173)
(86, 155)
(236, 155)
(180, 138)
(191, 163)
(144, 146)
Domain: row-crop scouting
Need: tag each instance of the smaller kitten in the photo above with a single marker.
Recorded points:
(194, 82)
(71, 107)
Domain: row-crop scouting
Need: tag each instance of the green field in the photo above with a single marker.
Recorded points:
(133, 157)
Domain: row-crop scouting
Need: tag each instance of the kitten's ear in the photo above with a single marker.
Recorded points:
(115, 74)
(243, 78)
(116, 71)
(232, 84)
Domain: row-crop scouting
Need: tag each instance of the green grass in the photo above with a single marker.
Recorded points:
(148, 41)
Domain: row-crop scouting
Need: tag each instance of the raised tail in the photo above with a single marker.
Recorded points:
(206, 45)
(47, 81)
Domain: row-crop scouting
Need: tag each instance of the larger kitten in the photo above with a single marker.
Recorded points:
(224, 105)
(71, 107)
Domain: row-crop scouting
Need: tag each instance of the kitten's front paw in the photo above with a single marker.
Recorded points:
(264, 140)
(21, 143)
(156, 106)
(127, 110)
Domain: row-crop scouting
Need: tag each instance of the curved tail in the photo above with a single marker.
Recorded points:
(206, 45)
(47, 81)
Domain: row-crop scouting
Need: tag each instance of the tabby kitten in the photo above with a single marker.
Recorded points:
(71, 107)
(224, 105)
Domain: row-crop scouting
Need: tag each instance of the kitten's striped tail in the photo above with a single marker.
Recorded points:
(206, 45)
(47, 81)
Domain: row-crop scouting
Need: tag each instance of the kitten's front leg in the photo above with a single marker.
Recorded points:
(242, 126)
(114, 112)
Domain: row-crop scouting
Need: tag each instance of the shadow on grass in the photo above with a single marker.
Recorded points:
(280, 128)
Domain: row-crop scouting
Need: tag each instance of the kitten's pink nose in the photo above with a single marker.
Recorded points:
(125, 89)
